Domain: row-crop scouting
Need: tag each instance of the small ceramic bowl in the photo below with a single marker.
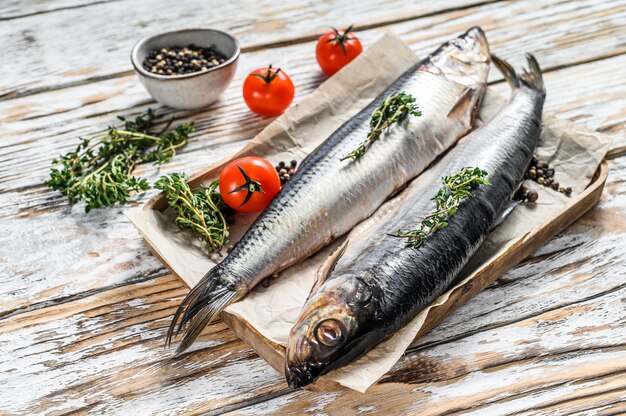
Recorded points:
(188, 91)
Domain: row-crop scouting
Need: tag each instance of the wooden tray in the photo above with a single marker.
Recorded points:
(274, 353)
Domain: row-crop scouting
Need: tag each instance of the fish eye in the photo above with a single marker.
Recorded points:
(329, 332)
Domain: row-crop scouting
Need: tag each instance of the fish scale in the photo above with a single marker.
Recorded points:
(327, 196)
(379, 284)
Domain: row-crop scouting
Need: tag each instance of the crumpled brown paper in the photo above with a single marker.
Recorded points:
(574, 152)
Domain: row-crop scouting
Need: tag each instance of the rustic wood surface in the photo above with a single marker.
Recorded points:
(84, 306)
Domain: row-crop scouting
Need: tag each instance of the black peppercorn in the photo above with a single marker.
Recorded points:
(177, 60)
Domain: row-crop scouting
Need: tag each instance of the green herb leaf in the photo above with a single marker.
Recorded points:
(455, 189)
(99, 170)
(200, 210)
(393, 109)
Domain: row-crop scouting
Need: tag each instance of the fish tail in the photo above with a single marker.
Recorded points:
(531, 78)
(507, 71)
(201, 305)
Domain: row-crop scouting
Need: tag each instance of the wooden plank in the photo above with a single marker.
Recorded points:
(477, 375)
(108, 30)
(108, 350)
(586, 29)
(104, 352)
(93, 261)
(51, 121)
(12, 9)
(90, 339)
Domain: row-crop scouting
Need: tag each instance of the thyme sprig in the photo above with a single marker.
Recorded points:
(393, 109)
(455, 189)
(200, 210)
(99, 170)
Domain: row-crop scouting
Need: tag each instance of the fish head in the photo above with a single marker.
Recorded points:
(323, 337)
(464, 60)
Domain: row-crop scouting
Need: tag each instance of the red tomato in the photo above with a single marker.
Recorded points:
(249, 184)
(268, 91)
(335, 49)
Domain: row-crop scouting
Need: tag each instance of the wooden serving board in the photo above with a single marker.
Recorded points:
(274, 353)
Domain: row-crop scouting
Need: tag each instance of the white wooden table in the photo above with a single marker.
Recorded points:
(84, 306)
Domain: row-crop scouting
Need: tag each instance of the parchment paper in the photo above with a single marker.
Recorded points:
(574, 152)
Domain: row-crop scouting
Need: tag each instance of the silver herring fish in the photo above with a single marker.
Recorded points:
(377, 284)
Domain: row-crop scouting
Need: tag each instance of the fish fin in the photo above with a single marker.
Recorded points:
(201, 305)
(463, 104)
(507, 71)
(327, 267)
(508, 210)
(531, 77)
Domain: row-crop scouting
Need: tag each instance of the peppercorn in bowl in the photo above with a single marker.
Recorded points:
(186, 69)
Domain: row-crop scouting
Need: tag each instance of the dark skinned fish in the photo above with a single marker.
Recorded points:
(327, 197)
(376, 285)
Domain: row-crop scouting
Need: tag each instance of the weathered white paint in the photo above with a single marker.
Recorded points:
(10, 9)
(545, 336)
(593, 28)
(100, 45)
(69, 250)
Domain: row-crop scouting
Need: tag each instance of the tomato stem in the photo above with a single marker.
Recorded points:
(249, 185)
(269, 76)
(341, 39)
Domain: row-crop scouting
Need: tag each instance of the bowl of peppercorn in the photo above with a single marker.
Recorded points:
(186, 69)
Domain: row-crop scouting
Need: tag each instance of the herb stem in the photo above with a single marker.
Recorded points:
(456, 188)
(199, 210)
(99, 170)
(393, 109)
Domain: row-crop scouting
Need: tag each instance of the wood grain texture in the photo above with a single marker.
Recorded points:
(593, 30)
(59, 117)
(551, 328)
(52, 120)
(13, 9)
(107, 37)
(84, 306)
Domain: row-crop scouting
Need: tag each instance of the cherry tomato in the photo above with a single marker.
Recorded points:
(249, 184)
(268, 91)
(335, 49)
